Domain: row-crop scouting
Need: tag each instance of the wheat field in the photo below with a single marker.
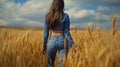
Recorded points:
(95, 48)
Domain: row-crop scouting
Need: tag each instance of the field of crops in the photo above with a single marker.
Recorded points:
(95, 48)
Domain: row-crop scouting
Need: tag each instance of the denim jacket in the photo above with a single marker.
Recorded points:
(65, 26)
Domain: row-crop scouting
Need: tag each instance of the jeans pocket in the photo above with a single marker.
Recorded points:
(61, 44)
(52, 40)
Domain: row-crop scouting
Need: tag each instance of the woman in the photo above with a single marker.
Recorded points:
(58, 22)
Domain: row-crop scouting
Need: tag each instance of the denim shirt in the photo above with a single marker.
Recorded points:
(64, 25)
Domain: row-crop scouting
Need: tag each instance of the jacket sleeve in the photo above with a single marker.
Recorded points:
(46, 34)
(67, 31)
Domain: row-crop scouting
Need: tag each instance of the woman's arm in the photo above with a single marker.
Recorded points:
(67, 31)
(46, 34)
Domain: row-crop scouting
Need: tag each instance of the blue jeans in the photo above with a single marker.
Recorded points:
(56, 43)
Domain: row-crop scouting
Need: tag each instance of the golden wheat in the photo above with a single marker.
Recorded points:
(23, 49)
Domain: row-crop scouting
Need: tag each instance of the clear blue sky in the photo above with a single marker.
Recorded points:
(20, 1)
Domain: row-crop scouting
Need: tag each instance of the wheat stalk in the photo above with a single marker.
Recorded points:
(113, 21)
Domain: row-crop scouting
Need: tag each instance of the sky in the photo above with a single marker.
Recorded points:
(82, 13)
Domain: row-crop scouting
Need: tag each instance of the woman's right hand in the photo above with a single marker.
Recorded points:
(75, 48)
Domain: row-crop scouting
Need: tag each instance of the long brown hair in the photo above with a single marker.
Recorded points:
(55, 14)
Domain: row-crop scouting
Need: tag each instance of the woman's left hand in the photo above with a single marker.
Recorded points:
(44, 51)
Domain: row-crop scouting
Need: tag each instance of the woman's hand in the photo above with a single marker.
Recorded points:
(44, 51)
(75, 48)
